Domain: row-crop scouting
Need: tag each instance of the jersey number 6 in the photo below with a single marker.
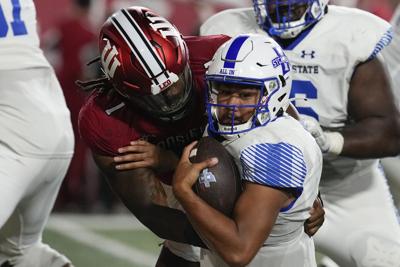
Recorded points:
(304, 89)
(17, 25)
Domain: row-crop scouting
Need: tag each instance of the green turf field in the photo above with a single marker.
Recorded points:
(102, 240)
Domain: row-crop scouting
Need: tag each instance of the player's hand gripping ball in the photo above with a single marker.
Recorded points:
(220, 185)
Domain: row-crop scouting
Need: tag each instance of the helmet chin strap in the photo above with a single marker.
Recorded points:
(239, 127)
(261, 119)
(236, 127)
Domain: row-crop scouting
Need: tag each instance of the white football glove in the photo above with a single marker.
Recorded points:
(328, 142)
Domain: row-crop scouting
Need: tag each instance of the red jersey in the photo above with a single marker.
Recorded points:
(107, 121)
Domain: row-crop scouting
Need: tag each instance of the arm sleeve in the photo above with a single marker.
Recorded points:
(279, 165)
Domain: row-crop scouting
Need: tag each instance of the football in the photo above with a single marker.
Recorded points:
(220, 185)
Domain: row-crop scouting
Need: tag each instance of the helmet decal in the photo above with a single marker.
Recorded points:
(281, 61)
(233, 52)
(109, 59)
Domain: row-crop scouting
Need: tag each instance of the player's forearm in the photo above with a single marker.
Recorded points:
(147, 202)
(372, 138)
(143, 195)
(219, 232)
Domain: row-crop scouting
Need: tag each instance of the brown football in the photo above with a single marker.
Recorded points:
(220, 185)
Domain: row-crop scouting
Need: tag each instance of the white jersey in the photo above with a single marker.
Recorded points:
(392, 55)
(34, 118)
(19, 41)
(323, 60)
(282, 154)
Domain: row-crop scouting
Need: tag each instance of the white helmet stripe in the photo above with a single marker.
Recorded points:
(140, 46)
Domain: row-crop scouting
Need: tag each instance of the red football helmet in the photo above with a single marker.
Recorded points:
(147, 61)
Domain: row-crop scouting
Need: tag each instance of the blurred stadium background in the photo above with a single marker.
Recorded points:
(88, 223)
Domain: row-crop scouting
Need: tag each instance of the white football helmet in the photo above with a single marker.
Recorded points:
(255, 60)
(288, 18)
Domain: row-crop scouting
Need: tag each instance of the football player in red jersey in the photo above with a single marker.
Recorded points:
(151, 98)
(158, 99)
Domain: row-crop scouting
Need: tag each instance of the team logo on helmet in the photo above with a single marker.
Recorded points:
(109, 59)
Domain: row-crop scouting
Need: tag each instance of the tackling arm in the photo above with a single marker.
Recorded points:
(142, 193)
(142, 154)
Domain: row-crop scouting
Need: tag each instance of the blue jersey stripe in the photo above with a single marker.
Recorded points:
(287, 153)
(233, 52)
(260, 157)
(383, 42)
(285, 158)
(276, 177)
(257, 175)
(288, 159)
(279, 165)
(275, 167)
(289, 147)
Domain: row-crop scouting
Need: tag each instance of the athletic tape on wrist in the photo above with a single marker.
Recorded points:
(336, 142)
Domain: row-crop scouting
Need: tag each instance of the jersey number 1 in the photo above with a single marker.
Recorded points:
(17, 25)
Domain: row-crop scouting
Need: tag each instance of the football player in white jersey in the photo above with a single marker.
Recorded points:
(335, 53)
(249, 81)
(36, 140)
